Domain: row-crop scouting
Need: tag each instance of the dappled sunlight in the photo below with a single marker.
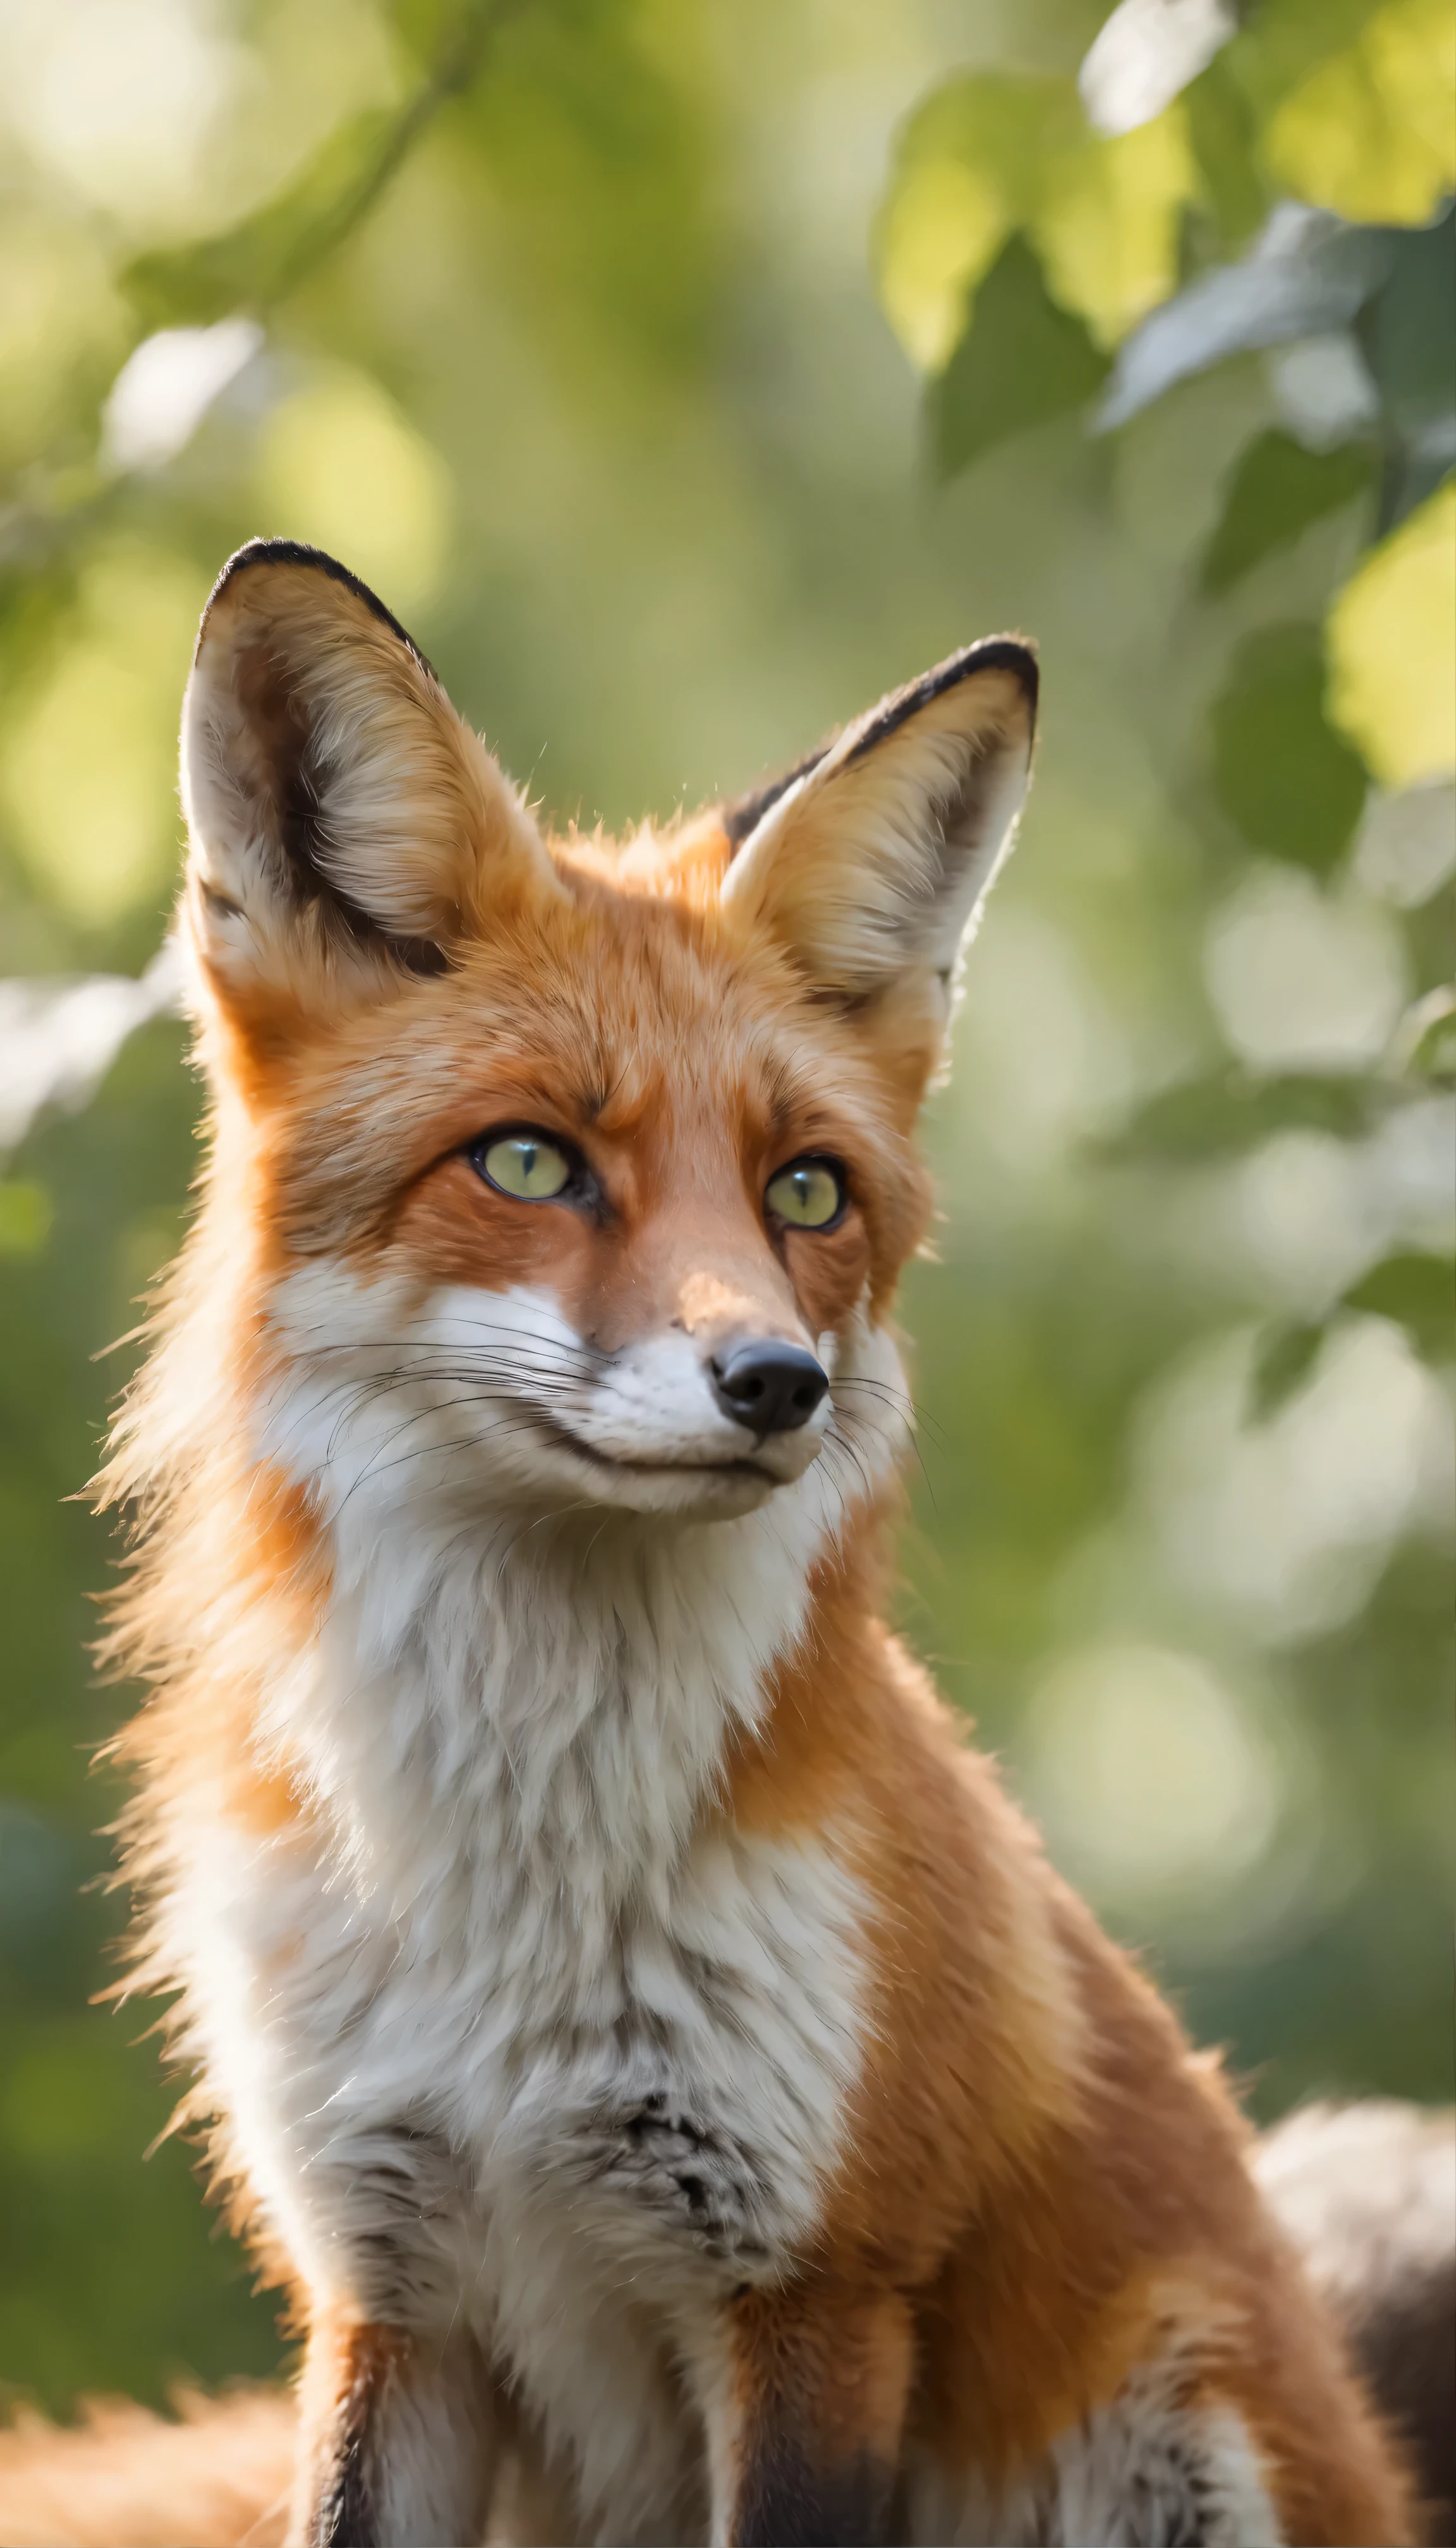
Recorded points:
(87, 772)
(1393, 647)
(1406, 845)
(123, 104)
(59, 315)
(341, 467)
(1160, 1788)
(1287, 1522)
(1303, 980)
(1308, 1216)
(1043, 1059)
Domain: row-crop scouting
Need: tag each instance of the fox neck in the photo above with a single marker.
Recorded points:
(555, 1690)
(555, 1697)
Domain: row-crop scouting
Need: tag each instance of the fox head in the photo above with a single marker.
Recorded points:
(588, 1169)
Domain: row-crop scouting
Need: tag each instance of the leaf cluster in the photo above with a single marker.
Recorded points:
(1050, 251)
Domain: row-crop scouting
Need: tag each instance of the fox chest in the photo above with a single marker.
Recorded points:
(429, 2089)
(673, 2079)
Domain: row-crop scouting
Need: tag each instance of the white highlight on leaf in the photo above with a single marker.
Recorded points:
(58, 1040)
(1307, 273)
(165, 387)
(1147, 52)
(1322, 388)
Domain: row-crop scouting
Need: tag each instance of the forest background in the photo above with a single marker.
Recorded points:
(685, 372)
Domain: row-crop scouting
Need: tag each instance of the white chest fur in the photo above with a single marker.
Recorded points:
(477, 2062)
(527, 2032)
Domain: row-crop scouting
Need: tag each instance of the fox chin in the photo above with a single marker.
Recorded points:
(630, 2022)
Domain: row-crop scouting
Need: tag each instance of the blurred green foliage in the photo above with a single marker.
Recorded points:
(1292, 786)
(1022, 360)
(564, 335)
(1276, 489)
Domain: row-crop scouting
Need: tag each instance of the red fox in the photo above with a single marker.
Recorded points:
(645, 2040)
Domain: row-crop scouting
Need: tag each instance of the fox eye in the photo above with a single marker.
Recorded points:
(808, 1193)
(524, 1165)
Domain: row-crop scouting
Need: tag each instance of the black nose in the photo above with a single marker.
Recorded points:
(769, 1386)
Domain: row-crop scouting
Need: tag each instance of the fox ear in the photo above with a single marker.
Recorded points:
(346, 828)
(871, 860)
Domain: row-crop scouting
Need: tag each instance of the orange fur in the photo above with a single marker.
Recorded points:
(1087, 2180)
(218, 2476)
(1038, 2188)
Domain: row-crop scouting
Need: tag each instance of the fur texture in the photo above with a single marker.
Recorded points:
(646, 2042)
(218, 2476)
(1368, 2193)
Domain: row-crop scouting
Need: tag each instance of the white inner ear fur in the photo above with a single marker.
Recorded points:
(875, 863)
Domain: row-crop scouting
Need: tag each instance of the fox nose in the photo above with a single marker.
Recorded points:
(768, 1386)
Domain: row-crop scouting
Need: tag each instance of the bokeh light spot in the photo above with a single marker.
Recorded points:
(339, 466)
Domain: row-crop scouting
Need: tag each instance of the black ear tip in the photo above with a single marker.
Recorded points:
(1011, 655)
(1015, 655)
(298, 553)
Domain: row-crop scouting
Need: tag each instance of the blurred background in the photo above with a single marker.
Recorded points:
(685, 372)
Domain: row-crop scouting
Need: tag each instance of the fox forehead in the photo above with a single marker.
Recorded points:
(624, 1019)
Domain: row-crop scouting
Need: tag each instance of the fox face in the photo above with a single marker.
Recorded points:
(590, 1169)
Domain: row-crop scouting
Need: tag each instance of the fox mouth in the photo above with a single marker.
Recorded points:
(563, 1438)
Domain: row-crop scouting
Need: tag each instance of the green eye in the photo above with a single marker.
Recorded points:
(808, 1193)
(524, 1165)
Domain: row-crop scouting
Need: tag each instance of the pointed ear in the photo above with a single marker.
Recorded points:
(871, 862)
(347, 829)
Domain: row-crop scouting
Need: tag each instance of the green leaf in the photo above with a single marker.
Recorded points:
(1424, 1043)
(1223, 134)
(967, 170)
(1290, 783)
(1369, 134)
(1408, 330)
(1022, 361)
(1276, 490)
(1392, 636)
(26, 1216)
(1408, 335)
(1227, 1112)
(1426, 1040)
(1419, 1294)
(1286, 41)
(1109, 223)
(1284, 1358)
(1000, 152)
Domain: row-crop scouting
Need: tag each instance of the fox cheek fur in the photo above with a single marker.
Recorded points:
(653, 2053)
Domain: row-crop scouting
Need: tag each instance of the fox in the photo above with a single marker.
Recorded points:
(627, 2018)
